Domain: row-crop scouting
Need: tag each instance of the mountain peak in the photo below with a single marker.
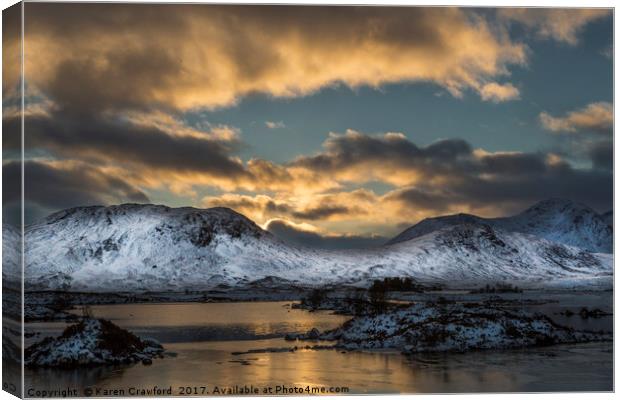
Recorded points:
(134, 209)
(429, 225)
(557, 220)
(156, 248)
(558, 205)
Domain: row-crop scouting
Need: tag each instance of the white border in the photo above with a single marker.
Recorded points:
(474, 3)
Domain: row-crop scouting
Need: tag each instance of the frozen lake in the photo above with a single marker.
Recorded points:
(203, 337)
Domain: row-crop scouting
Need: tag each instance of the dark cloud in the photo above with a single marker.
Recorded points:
(354, 149)
(427, 199)
(290, 234)
(602, 155)
(91, 76)
(321, 212)
(450, 174)
(447, 157)
(594, 188)
(513, 192)
(49, 188)
(99, 137)
(275, 207)
(512, 164)
(327, 206)
(447, 149)
(129, 80)
(250, 205)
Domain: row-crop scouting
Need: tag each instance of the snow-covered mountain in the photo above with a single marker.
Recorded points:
(560, 221)
(11, 249)
(156, 248)
(144, 246)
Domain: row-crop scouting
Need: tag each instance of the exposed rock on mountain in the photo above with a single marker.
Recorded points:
(556, 220)
(155, 248)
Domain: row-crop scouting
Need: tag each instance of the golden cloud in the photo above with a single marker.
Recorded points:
(336, 206)
(187, 56)
(598, 117)
(499, 93)
(355, 212)
(11, 51)
(175, 127)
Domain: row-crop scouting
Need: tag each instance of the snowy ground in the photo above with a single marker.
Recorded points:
(432, 327)
(91, 342)
(417, 322)
(146, 248)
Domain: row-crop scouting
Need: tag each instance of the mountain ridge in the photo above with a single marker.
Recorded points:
(557, 220)
(157, 248)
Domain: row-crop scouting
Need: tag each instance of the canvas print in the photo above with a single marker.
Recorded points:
(205, 200)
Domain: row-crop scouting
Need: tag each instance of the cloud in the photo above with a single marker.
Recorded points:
(259, 207)
(295, 234)
(426, 199)
(112, 82)
(592, 131)
(445, 177)
(499, 196)
(56, 185)
(322, 212)
(560, 24)
(311, 207)
(11, 52)
(275, 125)
(120, 56)
(175, 127)
(156, 150)
(449, 175)
(602, 155)
(595, 117)
(499, 93)
(390, 157)
(138, 145)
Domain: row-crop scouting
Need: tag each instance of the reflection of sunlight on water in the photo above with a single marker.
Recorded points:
(203, 360)
(259, 317)
(181, 322)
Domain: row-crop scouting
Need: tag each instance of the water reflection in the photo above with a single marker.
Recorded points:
(258, 319)
(194, 332)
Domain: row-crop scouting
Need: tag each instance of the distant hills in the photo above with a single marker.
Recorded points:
(556, 220)
(131, 247)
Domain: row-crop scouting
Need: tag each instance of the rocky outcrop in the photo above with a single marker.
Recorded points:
(453, 327)
(92, 342)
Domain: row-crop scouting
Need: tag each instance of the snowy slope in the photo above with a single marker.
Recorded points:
(478, 252)
(146, 247)
(11, 268)
(460, 327)
(556, 220)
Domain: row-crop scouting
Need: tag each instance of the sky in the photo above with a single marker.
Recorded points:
(332, 127)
